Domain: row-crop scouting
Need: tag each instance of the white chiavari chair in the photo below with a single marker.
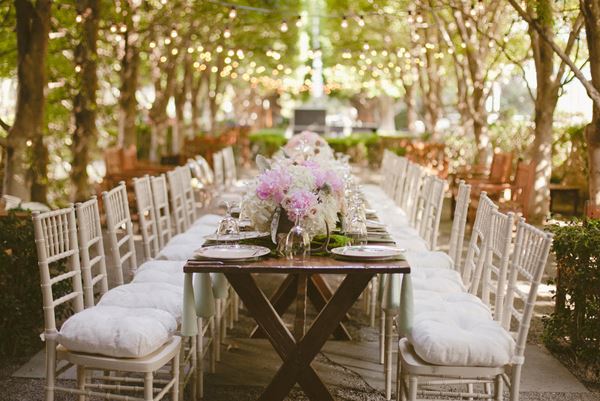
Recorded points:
(160, 283)
(219, 180)
(87, 339)
(485, 352)
(120, 232)
(178, 205)
(146, 216)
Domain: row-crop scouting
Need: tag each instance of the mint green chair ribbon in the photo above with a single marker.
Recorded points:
(219, 285)
(203, 296)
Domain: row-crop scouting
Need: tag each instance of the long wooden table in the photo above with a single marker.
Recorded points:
(299, 349)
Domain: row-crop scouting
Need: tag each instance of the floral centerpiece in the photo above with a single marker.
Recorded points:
(307, 189)
(308, 146)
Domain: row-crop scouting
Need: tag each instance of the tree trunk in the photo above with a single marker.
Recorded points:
(86, 132)
(411, 108)
(25, 138)
(130, 65)
(591, 13)
(547, 87)
(386, 113)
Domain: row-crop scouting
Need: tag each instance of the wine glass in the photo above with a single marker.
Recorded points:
(356, 228)
(297, 241)
(228, 226)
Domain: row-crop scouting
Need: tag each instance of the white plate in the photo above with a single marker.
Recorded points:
(375, 224)
(232, 252)
(236, 237)
(367, 252)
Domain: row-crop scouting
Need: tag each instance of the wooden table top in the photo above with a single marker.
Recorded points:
(311, 265)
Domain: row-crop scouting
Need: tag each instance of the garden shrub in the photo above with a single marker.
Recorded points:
(267, 141)
(21, 316)
(574, 327)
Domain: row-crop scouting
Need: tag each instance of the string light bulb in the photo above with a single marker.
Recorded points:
(232, 12)
(226, 33)
(284, 26)
(299, 22)
(361, 21)
(344, 23)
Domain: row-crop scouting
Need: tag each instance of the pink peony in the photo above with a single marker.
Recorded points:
(302, 202)
(273, 184)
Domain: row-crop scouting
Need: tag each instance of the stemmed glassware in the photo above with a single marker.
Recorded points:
(228, 226)
(297, 241)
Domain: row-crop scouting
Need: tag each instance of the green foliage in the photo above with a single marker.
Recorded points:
(267, 141)
(21, 317)
(574, 327)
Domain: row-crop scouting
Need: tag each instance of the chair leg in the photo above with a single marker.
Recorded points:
(149, 383)
(217, 331)
(199, 376)
(413, 385)
(176, 372)
(388, 359)
(223, 329)
(470, 390)
(230, 310)
(381, 336)
(81, 376)
(213, 345)
(515, 382)
(50, 369)
(499, 389)
(236, 306)
(194, 367)
(181, 382)
(373, 300)
(399, 392)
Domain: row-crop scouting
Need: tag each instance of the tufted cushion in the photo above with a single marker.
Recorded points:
(167, 266)
(428, 259)
(159, 276)
(180, 252)
(200, 230)
(415, 244)
(438, 280)
(163, 296)
(194, 238)
(428, 302)
(458, 339)
(117, 332)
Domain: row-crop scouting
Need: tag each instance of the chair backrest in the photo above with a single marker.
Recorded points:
(219, 180)
(56, 241)
(501, 167)
(526, 266)
(388, 172)
(189, 198)
(399, 179)
(412, 188)
(385, 161)
(146, 216)
(497, 254)
(429, 223)
(457, 234)
(120, 231)
(160, 199)
(471, 269)
(209, 177)
(91, 250)
(178, 205)
(230, 169)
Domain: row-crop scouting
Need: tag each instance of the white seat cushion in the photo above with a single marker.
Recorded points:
(428, 259)
(457, 339)
(117, 332)
(163, 296)
(438, 280)
(427, 302)
(168, 266)
(180, 252)
(159, 276)
(415, 244)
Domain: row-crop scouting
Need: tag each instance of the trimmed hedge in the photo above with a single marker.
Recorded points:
(21, 317)
(574, 327)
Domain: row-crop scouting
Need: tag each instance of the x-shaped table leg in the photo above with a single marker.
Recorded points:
(298, 356)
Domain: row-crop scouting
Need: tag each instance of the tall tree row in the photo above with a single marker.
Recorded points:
(26, 156)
